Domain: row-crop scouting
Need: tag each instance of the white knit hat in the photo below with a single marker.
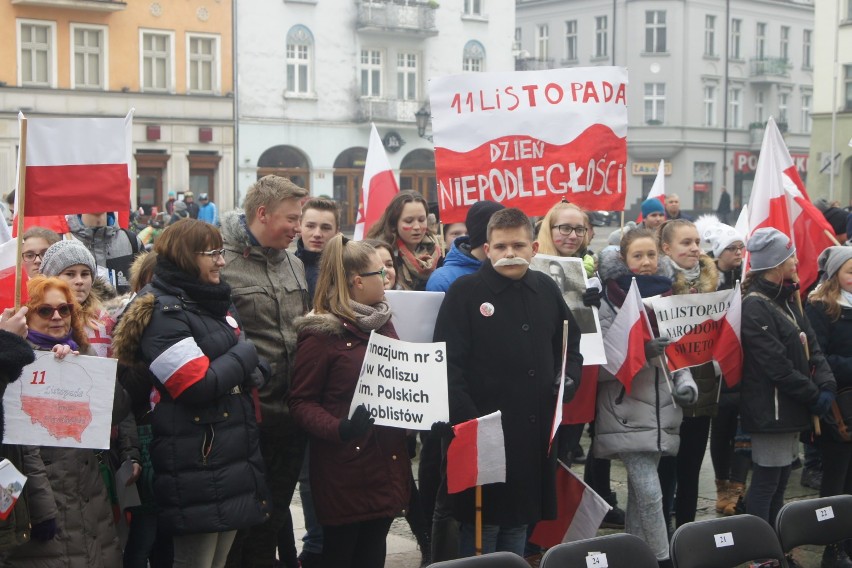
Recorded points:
(717, 235)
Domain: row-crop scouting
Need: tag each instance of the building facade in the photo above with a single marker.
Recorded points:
(170, 61)
(832, 117)
(314, 74)
(704, 77)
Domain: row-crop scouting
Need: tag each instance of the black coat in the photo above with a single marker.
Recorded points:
(835, 339)
(779, 383)
(509, 362)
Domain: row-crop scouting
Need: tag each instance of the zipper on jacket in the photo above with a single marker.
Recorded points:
(776, 404)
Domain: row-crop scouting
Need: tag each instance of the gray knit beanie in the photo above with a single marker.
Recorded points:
(63, 254)
(832, 259)
(768, 248)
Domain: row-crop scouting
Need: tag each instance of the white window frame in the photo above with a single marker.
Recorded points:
(655, 31)
(656, 98)
(759, 106)
(847, 87)
(404, 73)
(710, 91)
(370, 68)
(170, 72)
(783, 107)
(518, 35)
(103, 56)
(52, 61)
(807, 120)
(542, 41)
(784, 48)
(216, 73)
(601, 36)
(735, 104)
(736, 46)
(571, 40)
(473, 57)
(303, 45)
(473, 7)
(808, 48)
(760, 29)
(709, 35)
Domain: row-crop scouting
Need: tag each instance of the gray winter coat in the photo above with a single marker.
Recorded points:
(111, 246)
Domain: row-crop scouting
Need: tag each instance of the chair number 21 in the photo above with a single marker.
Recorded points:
(724, 539)
(38, 378)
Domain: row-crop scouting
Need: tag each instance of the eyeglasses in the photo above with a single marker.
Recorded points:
(566, 230)
(383, 272)
(735, 248)
(214, 254)
(31, 256)
(46, 311)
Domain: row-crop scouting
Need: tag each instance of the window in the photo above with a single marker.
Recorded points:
(473, 7)
(655, 31)
(406, 76)
(156, 61)
(89, 55)
(735, 112)
(807, 44)
(847, 87)
(759, 106)
(655, 103)
(571, 40)
(710, 105)
(474, 56)
(785, 43)
(760, 41)
(37, 66)
(203, 66)
(601, 36)
(542, 37)
(806, 113)
(709, 35)
(300, 43)
(782, 107)
(518, 36)
(371, 73)
(849, 11)
(736, 39)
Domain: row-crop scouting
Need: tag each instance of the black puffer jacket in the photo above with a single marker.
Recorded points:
(778, 386)
(208, 471)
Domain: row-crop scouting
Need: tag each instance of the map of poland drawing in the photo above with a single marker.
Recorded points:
(64, 403)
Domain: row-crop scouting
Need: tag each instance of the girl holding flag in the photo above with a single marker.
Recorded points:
(637, 420)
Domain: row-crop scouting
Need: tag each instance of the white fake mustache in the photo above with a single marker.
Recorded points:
(516, 261)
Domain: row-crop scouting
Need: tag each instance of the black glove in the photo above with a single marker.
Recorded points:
(443, 430)
(570, 387)
(656, 347)
(351, 428)
(45, 530)
(823, 403)
(592, 297)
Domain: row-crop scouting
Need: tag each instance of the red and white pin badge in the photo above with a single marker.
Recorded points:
(487, 309)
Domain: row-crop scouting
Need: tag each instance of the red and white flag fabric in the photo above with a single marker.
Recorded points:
(77, 165)
(8, 260)
(477, 453)
(377, 189)
(581, 409)
(55, 223)
(624, 343)
(729, 345)
(779, 199)
(579, 512)
(658, 190)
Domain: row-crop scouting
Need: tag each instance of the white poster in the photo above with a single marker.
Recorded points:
(414, 313)
(61, 402)
(570, 275)
(403, 384)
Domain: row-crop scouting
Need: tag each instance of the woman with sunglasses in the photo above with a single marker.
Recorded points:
(83, 532)
(363, 470)
(208, 471)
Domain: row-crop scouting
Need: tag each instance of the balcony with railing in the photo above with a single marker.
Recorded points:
(394, 110)
(769, 69)
(88, 5)
(394, 16)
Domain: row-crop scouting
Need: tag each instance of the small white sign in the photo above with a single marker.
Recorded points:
(724, 539)
(825, 513)
(596, 560)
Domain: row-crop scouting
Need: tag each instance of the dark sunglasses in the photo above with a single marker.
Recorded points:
(46, 311)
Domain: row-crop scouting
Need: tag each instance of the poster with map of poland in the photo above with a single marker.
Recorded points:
(65, 403)
(528, 139)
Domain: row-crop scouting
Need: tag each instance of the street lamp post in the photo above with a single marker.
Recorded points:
(423, 116)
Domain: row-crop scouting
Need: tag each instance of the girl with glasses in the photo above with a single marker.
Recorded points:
(363, 470)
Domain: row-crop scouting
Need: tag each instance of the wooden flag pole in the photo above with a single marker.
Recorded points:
(478, 520)
(832, 237)
(622, 221)
(20, 198)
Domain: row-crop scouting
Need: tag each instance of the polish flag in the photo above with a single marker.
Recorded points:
(377, 189)
(624, 343)
(779, 200)
(55, 223)
(580, 512)
(581, 409)
(77, 165)
(728, 351)
(658, 190)
(477, 453)
(8, 260)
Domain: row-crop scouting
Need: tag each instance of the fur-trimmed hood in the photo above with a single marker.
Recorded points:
(232, 230)
(708, 279)
(612, 266)
(320, 324)
(127, 334)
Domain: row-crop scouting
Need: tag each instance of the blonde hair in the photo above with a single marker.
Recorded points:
(827, 294)
(666, 232)
(545, 230)
(341, 259)
(268, 192)
(142, 270)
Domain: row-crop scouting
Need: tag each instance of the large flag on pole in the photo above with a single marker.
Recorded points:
(624, 343)
(77, 165)
(658, 190)
(8, 262)
(477, 453)
(779, 200)
(377, 189)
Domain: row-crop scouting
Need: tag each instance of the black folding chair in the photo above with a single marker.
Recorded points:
(725, 543)
(821, 521)
(619, 550)
(493, 560)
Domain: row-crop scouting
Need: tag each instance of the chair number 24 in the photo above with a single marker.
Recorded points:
(596, 560)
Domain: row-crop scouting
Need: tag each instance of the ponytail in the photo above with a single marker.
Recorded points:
(341, 259)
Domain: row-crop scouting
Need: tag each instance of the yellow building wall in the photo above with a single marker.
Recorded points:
(179, 16)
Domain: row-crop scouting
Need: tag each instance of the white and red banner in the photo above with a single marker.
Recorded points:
(779, 199)
(378, 187)
(625, 341)
(77, 165)
(527, 139)
(8, 261)
(579, 512)
(477, 453)
(703, 328)
(658, 190)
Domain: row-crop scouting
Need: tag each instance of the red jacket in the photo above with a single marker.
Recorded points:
(363, 479)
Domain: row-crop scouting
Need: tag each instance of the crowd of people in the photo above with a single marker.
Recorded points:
(240, 342)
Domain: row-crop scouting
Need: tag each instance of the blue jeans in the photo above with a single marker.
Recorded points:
(495, 538)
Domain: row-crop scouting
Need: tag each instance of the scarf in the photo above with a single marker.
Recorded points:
(690, 274)
(419, 264)
(46, 342)
(847, 296)
(214, 298)
(649, 284)
(369, 318)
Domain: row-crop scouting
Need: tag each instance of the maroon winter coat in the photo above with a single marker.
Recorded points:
(363, 479)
